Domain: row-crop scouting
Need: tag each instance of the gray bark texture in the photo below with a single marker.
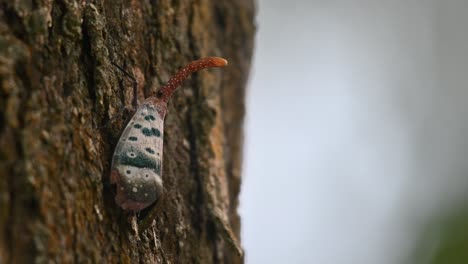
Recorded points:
(60, 119)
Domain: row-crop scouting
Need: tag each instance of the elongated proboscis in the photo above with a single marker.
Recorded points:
(166, 91)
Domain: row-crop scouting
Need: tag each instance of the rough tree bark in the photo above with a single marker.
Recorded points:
(59, 97)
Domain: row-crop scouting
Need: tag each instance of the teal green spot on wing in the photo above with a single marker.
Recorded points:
(140, 160)
(151, 132)
(149, 150)
(156, 132)
(150, 117)
(147, 132)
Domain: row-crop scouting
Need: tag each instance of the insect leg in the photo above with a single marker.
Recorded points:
(135, 84)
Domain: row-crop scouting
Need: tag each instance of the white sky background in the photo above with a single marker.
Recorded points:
(357, 127)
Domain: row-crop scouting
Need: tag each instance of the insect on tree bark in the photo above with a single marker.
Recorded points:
(59, 96)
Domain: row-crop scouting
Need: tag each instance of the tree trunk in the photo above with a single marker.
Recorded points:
(60, 120)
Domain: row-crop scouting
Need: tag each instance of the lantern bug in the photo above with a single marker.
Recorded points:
(136, 168)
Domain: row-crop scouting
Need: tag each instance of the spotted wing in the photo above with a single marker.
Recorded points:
(137, 161)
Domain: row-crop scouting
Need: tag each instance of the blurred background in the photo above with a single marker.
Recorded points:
(356, 133)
